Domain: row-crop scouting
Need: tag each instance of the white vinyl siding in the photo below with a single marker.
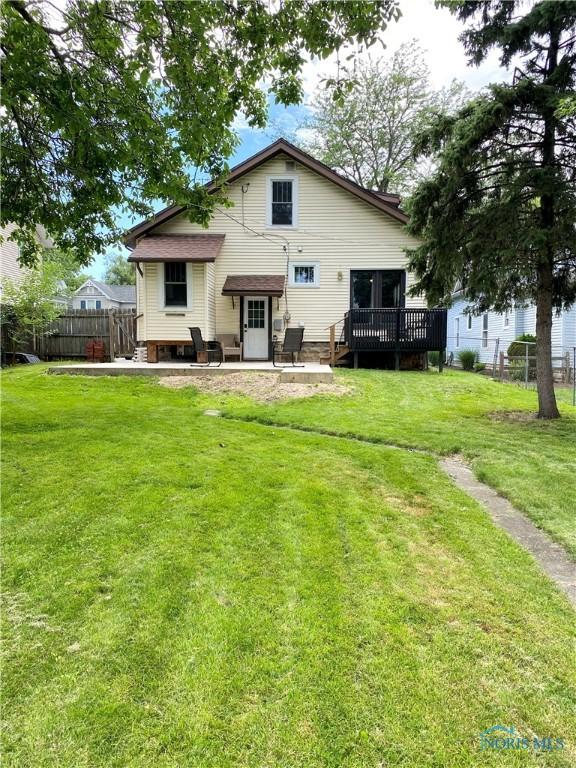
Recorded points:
(521, 320)
(210, 300)
(336, 230)
(9, 252)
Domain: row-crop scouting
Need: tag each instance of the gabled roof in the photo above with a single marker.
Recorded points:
(198, 248)
(122, 293)
(386, 203)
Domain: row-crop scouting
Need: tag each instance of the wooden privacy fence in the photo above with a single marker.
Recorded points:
(75, 328)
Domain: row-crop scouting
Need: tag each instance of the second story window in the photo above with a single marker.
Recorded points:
(175, 287)
(282, 203)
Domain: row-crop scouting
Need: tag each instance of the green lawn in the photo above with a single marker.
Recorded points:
(531, 462)
(181, 590)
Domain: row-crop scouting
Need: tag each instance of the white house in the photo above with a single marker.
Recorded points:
(491, 333)
(96, 295)
(300, 246)
(9, 252)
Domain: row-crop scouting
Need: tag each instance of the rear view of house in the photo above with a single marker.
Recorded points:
(301, 247)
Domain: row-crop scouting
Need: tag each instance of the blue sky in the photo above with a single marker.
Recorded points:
(434, 29)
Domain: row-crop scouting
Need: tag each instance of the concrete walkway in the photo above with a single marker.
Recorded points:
(551, 556)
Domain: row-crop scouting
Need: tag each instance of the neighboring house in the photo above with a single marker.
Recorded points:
(491, 333)
(96, 295)
(301, 246)
(9, 252)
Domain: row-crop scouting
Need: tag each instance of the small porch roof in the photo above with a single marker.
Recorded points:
(254, 285)
(197, 248)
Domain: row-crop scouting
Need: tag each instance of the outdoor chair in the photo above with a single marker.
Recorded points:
(211, 351)
(291, 345)
(231, 347)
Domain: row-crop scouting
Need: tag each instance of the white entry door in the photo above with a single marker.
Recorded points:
(256, 328)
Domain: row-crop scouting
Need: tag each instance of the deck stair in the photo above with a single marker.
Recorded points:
(338, 349)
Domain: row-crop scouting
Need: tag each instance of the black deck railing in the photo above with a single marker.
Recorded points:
(396, 330)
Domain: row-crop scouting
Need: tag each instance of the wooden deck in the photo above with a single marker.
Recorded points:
(394, 330)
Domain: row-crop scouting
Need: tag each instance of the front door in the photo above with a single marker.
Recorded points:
(256, 328)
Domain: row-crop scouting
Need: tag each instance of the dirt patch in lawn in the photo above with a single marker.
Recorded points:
(264, 387)
(514, 417)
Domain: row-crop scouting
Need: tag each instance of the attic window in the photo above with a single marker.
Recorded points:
(282, 202)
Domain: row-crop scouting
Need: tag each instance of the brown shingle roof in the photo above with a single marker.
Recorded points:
(177, 248)
(253, 285)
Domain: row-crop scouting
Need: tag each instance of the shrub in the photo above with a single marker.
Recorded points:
(517, 349)
(479, 367)
(467, 358)
(434, 359)
(517, 358)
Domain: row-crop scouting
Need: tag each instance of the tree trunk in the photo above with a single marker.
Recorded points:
(547, 408)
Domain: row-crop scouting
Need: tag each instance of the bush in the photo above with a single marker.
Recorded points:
(479, 367)
(467, 359)
(516, 349)
(434, 359)
(517, 358)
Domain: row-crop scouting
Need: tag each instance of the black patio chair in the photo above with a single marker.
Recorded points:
(213, 349)
(292, 343)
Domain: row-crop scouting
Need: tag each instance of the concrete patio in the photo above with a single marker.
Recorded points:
(309, 373)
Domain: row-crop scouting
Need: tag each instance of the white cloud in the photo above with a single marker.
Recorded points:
(437, 32)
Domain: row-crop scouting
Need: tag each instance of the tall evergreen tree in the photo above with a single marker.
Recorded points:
(498, 215)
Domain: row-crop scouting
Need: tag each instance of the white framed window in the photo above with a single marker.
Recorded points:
(485, 330)
(304, 274)
(282, 202)
(456, 332)
(469, 322)
(90, 304)
(175, 280)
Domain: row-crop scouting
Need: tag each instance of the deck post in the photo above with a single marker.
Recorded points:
(332, 345)
(396, 360)
(355, 359)
(441, 360)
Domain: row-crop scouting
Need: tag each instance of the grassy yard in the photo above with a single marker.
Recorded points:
(531, 462)
(183, 590)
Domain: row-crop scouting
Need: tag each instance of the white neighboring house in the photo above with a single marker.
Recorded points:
(96, 295)
(492, 332)
(9, 252)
